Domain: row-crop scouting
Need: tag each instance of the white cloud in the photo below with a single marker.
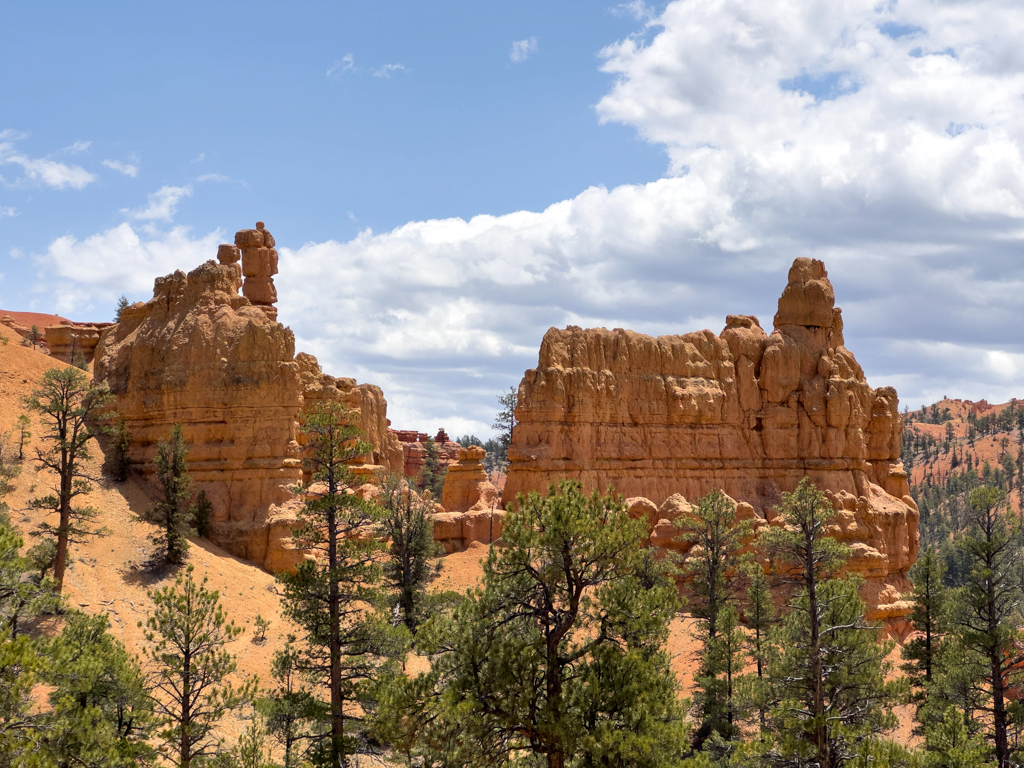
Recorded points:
(125, 168)
(213, 177)
(162, 204)
(387, 69)
(346, 64)
(42, 170)
(523, 49)
(840, 131)
(78, 146)
(638, 9)
(79, 275)
(7, 211)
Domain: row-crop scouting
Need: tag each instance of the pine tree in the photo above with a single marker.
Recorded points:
(412, 554)
(121, 445)
(122, 305)
(504, 424)
(928, 616)
(432, 474)
(68, 404)
(292, 713)
(712, 574)
(559, 656)
(100, 710)
(760, 612)
(24, 434)
(829, 683)
(327, 596)
(991, 600)
(187, 634)
(172, 512)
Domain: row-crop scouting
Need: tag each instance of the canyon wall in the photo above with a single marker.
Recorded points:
(744, 411)
(201, 355)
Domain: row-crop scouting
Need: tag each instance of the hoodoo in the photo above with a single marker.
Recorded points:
(671, 418)
(218, 363)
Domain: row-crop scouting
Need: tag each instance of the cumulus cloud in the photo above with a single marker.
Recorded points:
(7, 211)
(126, 168)
(161, 205)
(83, 274)
(523, 49)
(885, 139)
(42, 170)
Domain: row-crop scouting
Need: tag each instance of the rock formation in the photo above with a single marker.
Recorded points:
(67, 339)
(413, 444)
(746, 412)
(200, 355)
(259, 265)
(471, 507)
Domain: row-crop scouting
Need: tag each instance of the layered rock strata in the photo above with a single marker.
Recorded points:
(415, 450)
(67, 340)
(471, 505)
(746, 412)
(200, 355)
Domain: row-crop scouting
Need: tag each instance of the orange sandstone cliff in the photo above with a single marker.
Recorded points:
(671, 418)
(218, 363)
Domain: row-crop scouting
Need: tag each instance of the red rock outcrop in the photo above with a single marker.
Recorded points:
(415, 450)
(746, 412)
(67, 339)
(200, 355)
(472, 509)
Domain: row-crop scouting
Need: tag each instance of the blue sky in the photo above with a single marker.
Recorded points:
(448, 180)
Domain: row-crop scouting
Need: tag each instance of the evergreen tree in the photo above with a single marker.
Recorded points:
(291, 711)
(411, 562)
(101, 712)
(24, 434)
(928, 616)
(200, 513)
(558, 658)
(950, 744)
(760, 612)
(68, 404)
(34, 336)
(504, 424)
(712, 574)
(829, 678)
(172, 512)
(432, 474)
(990, 602)
(22, 593)
(21, 722)
(120, 455)
(187, 634)
(327, 596)
(122, 305)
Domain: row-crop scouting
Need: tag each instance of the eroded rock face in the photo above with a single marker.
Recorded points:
(203, 356)
(746, 412)
(67, 340)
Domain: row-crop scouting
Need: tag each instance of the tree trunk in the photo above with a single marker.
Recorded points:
(64, 526)
(186, 713)
(820, 731)
(334, 607)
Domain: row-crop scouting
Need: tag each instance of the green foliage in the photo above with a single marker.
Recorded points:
(187, 634)
(23, 594)
(987, 619)
(929, 616)
(327, 597)
(172, 512)
(200, 513)
(122, 305)
(120, 450)
(24, 434)
(711, 572)
(432, 475)
(760, 613)
(411, 562)
(21, 723)
(292, 714)
(829, 689)
(504, 424)
(69, 406)
(949, 744)
(252, 750)
(101, 712)
(262, 625)
(559, 655)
